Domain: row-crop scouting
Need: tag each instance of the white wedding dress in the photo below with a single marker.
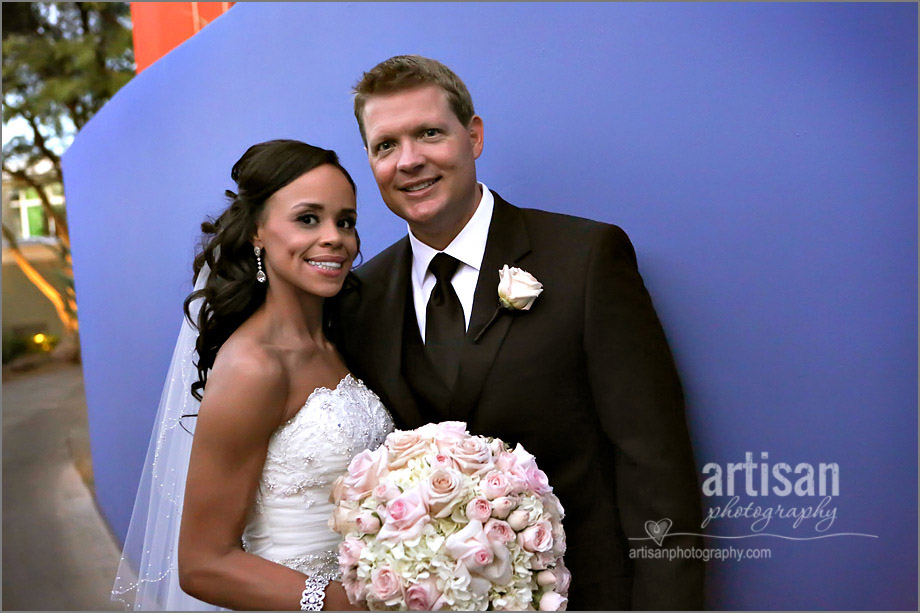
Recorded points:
(288, 520)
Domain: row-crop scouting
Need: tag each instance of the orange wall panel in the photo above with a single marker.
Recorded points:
(160, 27)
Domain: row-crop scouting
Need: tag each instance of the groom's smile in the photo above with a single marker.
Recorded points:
(419, 188)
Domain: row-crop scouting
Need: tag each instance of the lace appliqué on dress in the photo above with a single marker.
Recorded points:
(306, 454)
(325, 565)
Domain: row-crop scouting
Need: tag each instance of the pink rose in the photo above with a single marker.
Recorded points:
(518, 473)
(551, 502)
(451, 431)
(497, 446)
(537, 481)
(499, 532)
(551, 601)
(482, 556)
(472, 454)
(470, 546)
(423, 596)
(367, 522)
(442, 461)
(501, 507)
(500, 570)
(406, 515)
(538, 538)
(385, 584)
(460, 576)
(403, 446)
(519, 520)
(350, 495)
(563, 578)
(349, 553)
(343, 517)
(355, 589)
(524, 458)
(428, 431)
(364, 472)
(455, 428)
(505, 461)
(386, 491)
(546, 577)
(519, 479)
(558, 538)
(442, 491)
(338, 490)
(495, 485)
(541, 561)
(479, 509)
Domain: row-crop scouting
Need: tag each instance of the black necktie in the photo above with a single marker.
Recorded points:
(444, 323)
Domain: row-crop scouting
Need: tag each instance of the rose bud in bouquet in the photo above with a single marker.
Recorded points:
(502, 507)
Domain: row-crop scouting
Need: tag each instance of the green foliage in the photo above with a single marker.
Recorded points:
(62, 61)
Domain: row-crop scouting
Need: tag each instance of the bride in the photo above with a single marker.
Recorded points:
(280, 417)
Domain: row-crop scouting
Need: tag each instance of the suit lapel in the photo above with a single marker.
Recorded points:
(507, 243)
(389, 346)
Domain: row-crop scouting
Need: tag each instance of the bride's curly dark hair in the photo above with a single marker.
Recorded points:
(231, 293)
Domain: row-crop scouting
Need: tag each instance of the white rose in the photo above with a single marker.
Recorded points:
(517, 289)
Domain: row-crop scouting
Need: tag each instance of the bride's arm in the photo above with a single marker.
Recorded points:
(244, 404)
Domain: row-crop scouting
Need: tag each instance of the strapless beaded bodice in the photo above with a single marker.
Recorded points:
(288, 520)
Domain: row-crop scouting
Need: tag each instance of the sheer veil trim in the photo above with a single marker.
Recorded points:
(148, 577)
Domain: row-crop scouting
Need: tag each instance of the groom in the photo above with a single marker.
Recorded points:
(581, 375)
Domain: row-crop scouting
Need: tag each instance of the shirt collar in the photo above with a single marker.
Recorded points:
(469, 246)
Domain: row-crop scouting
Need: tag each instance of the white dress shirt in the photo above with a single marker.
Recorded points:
(468, 247)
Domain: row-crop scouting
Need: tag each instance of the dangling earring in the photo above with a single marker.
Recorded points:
(260, 276)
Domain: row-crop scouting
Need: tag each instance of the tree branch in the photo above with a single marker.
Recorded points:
(38, 280)
(40, 140)
(84, 17)
(76, 115)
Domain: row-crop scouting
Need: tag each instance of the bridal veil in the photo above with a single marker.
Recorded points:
(148, 576)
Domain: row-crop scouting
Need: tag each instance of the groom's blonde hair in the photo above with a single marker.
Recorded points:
(404, 72)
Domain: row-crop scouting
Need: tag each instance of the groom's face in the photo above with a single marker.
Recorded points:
(424, 161)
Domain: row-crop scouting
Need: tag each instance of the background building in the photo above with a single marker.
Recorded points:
(26, 311)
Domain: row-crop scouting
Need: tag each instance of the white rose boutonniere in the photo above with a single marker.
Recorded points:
(517, 289)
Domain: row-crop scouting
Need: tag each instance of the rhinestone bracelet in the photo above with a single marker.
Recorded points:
(314, 593)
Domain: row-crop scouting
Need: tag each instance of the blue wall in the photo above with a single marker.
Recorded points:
(763, 158)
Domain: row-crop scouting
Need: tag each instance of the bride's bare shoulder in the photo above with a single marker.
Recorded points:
(247, 376)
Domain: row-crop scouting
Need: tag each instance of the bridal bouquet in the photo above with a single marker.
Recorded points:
(439, 519)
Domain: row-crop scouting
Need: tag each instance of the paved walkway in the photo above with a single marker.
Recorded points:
(58, 554)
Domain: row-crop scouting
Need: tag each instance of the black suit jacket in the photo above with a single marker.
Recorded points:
(584, 381)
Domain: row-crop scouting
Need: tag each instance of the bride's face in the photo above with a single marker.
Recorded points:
(307, 232)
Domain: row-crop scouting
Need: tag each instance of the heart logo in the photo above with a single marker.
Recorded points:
(658, 529)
